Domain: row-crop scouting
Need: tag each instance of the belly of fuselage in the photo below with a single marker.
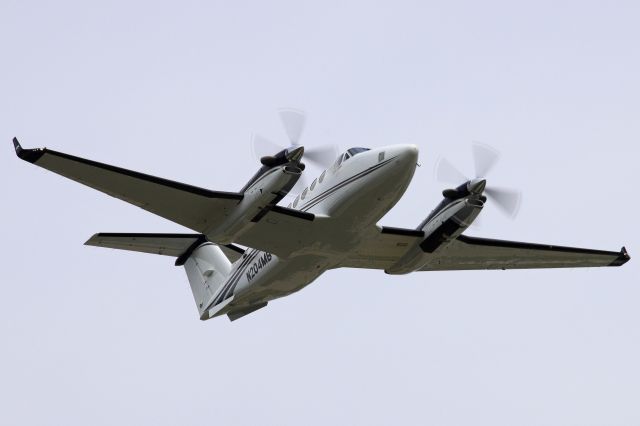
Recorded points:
(278, 277)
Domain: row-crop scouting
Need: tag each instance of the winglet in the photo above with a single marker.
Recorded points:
(17, 146)
(622, 258)
(30, 155)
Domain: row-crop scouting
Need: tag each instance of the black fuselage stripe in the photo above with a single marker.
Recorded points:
(236, 273)
(321, 197)
(341, 183)
(233, 282)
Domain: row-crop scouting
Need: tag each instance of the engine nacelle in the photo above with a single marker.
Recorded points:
(440, 228)
(260, 194)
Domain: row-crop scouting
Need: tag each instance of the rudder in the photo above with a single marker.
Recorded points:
(207, 270)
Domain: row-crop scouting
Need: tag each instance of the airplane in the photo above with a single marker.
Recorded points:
(248, 249)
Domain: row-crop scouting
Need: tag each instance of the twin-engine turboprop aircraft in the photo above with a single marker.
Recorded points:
(331, 224)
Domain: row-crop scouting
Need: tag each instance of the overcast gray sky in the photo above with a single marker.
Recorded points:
(95, 336)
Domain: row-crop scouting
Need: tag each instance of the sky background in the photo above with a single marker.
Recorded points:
(97, 336)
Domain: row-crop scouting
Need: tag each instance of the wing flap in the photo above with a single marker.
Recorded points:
(383, 248)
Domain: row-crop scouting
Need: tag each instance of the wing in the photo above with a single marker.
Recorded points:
(470, 253)
(187, 205)
(281, 230)
(466, 253)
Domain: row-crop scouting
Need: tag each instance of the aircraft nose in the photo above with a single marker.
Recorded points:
(408, 154)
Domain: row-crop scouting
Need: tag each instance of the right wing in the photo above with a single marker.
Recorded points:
(383, 248)
(466, 253)
(187, 205)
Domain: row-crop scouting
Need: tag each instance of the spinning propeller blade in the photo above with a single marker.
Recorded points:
(508, 200)
(261, 146)
(293, 121)
(322, 156)
(448, 173)
(485, 158)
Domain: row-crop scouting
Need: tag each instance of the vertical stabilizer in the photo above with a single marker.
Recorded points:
(207, 269)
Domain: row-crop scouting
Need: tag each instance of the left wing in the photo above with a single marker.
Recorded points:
(471, 253)
(184, 204)
(281, 230)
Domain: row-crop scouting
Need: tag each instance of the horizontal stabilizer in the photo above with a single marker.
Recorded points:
(176, 245)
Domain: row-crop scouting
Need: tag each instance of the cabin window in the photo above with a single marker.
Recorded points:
(289, 206)
(313, 184)
(304, 193)
(295, 202)
(322, 176)
(347, 156)
(381, 156)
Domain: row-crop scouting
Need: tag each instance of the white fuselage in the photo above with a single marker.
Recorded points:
(350, 196)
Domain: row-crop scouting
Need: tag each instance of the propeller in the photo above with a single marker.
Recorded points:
(485, 158)
(293, 121)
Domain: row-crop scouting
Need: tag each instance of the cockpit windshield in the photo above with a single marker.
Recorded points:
(350, 153)
(354, 151)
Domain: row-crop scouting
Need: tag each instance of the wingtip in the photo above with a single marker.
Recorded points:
(622, 258)
(17, 146)
(30, 155)
(92, 239)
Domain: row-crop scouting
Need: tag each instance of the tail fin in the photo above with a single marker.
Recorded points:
(207, 265)
(207, 269)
